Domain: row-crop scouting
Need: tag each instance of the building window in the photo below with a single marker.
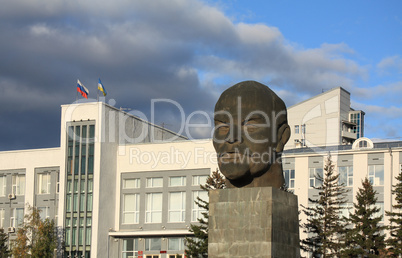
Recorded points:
(17, 217)
(153, 244)
(88, 236)
(70, 145)
(89, 202)
(58, 183)
(177, 181)
(90, 185)
(75, 202)
(82, 202)
(44, 183)
(131, 183)
(3, 185)
(376, 174)
(76, 186)
(289, 175)
(82, 186)
(315, 177)
(68, 202)
(2, 211)
(44, 212)
(176, 244)
(363, 144)
(77, 150)
(153, 209)
(177, 206)
(346, 175)
(200, 180)
(154, 182)
(91, 149)
(296, 129)
(130, 248)
(83, 149)
(303, 129)
(69, 183)
(131, 208)
(74, 236)
(68, 236)
(80, 236)
(196, 211)
(18, 184)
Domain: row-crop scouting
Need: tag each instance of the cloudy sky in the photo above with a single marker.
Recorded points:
(189, 51)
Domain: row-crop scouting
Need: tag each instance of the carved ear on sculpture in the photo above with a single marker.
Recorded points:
(283, 137)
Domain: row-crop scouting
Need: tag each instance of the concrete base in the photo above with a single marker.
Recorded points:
(253, 222)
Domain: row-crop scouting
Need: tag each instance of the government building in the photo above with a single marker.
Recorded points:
(119, 186)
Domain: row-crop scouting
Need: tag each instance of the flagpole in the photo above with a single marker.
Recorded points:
(97, 93)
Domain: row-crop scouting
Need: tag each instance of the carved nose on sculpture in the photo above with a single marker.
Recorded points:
(234, 135)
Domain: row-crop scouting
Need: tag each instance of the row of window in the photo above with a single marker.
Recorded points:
(153, 207)
(17, 216)
(297, 129)
(80, 152)
(18, 185)
(132, 246)
(82, 204)
(43, 181)
(355, 118)
(375, 175)
(71, 234)
(154, 182)
(81, 200)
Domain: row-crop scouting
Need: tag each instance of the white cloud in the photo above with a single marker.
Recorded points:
(390, 63)
(387, 94)
(185, 50)
(381, 121)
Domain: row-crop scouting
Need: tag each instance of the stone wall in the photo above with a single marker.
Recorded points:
(253, 222)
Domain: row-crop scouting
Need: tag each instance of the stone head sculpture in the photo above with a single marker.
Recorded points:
(251, 129)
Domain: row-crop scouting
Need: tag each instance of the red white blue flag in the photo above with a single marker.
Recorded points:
(82, 89)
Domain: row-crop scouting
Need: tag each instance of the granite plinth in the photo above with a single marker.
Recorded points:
(253, 222)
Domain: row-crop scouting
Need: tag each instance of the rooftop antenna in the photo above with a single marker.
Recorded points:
(163, 126)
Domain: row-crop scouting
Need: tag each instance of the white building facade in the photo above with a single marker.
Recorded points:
(121, 187)
(325, 120)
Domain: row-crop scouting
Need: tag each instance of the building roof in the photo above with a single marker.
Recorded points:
(319, 95)
(337, 148)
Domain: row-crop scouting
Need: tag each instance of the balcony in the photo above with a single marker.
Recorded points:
(350, 135)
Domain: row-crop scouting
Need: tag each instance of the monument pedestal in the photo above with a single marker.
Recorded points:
(253, 222)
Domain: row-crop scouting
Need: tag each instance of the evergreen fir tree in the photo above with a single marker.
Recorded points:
(4, 252)
(324, 223)
(365, 238)
(395, 228)
(197, 246)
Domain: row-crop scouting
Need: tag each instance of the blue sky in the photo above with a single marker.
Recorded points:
(190, 51)
(372, 32)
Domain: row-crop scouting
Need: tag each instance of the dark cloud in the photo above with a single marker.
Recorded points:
(185, 51)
